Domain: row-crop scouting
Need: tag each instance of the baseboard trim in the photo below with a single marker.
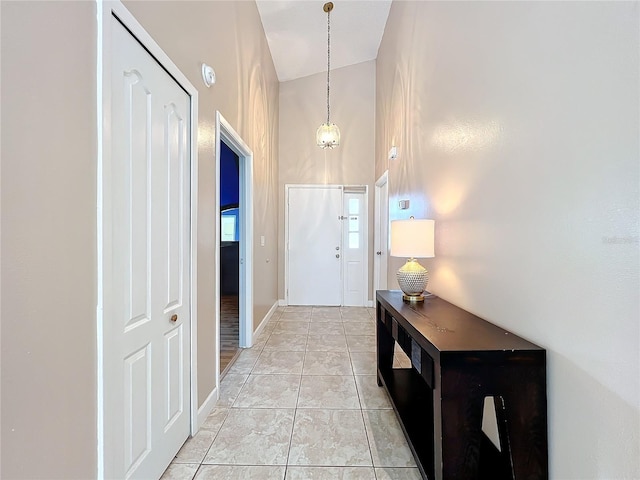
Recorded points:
(369, 303)
(266, 319)
(206, 408)
(282, 302)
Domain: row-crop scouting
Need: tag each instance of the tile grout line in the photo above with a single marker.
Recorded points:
(295, 411)
(293, 425)
(352, 375)
(364, 424)
(228, 408)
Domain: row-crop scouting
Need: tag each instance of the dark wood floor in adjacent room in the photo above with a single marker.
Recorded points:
(229, 329)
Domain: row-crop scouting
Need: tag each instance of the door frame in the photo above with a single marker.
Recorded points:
(226, 133)
(105, 10)
(364, 191)
(289, 186)
(377, 241)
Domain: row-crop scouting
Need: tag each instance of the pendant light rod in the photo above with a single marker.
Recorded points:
(327, 8)
(328, 134)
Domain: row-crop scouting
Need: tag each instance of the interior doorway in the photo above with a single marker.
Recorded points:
(229, 279)
(239, 224)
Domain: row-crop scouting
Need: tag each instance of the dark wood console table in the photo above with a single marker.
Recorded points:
(458, 360)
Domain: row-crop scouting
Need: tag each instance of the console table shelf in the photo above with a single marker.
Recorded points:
(458, 360)
(411, 397)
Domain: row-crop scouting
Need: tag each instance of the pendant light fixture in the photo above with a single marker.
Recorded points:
(328, 134)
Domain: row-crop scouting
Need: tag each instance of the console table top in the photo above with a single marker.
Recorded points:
(451, 329)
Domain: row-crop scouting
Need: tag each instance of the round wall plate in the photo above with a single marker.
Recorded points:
(208, 75)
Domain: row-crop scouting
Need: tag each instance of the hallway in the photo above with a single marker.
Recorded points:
(303, 403)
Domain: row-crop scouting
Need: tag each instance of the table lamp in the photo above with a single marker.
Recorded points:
(412, 238)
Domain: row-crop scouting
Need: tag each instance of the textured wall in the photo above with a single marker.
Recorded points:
(303, 107)
(48, 202)
(517, 129)
(48, 240)
(229, 37)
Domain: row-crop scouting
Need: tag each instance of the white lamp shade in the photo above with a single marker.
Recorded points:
(412, 238)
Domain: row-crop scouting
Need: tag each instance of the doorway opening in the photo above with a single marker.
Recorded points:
(233, 155)
(229, 279)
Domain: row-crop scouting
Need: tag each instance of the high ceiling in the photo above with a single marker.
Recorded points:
(297, 33)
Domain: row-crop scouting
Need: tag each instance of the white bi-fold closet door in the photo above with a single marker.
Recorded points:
(147, 274)
(326, 245)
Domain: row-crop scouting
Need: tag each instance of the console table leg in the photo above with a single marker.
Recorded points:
(385, 345)
(526, 419)
(461, 436)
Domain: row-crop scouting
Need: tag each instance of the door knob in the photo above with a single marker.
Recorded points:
(337, 255)
(174, 318)
(378, 253)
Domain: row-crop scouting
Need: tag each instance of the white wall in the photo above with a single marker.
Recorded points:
(303, 107)
(517, 125)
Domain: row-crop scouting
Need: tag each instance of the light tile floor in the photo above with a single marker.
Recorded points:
(302, 404)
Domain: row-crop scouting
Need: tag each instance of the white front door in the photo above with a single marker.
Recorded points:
(381, 234)
(314, 244)
(354, 248)
(147, 280)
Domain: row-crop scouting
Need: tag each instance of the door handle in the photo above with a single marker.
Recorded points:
(337, 255)
(174, 318)
(378, 253)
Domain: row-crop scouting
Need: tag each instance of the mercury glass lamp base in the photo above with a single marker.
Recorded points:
(412, 279)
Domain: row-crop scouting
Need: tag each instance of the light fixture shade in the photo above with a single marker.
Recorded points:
(412, 238)
(328, 135)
